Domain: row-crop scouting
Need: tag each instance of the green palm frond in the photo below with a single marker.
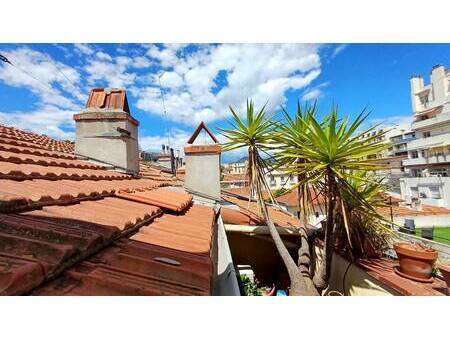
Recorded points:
(254, 133)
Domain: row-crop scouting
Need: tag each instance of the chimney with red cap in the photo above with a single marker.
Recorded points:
(106, 132)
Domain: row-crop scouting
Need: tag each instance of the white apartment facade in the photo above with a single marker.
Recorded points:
(234, 177)
(235, 167)
(278, 179)
(392, 157)
(428, 161)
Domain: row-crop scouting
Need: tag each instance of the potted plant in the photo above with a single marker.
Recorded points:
(416, 261)
(445, 272)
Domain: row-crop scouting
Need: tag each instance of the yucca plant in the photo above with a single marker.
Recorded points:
(256, 133)
(361, 230)
(325, 155)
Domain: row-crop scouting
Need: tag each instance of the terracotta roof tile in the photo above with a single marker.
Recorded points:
(178, 233)
(40, 141)
(21, 158)
(62, 210)
(171, 256)
(108, 211)
(234, 177)
(16, 171)
(232, 216)
(33, 151)
(403, 211)
(251, 210)
(163, 198)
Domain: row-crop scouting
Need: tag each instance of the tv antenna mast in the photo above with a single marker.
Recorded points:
(164, 107)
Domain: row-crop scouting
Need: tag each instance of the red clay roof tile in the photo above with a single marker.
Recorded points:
(163, 198)
(14, 171)
(251, 209)
(81, 216)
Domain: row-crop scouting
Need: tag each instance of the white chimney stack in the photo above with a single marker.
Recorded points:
(203, 167)
(106, 132)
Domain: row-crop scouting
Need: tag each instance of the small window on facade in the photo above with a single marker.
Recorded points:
(426, 134)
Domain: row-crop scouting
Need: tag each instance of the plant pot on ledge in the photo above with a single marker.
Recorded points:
(416, 261)
(445, 271)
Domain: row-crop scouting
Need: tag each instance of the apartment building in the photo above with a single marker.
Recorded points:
(235, 168)
(234, 176)
(392, 158)
(428, 161)
(277, 179)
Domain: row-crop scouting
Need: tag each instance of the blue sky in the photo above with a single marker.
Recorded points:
(52, 81)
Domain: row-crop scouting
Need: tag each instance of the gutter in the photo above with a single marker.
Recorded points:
(226, 279)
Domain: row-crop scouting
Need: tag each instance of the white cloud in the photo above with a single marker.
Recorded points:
(103, 56)
(178, 139)
(48, 120)
(314, 93)
(338, 50)
(257, 71)
(141, 62)
(113, 73)
(42, 75)
(84, 48)
(401, 121)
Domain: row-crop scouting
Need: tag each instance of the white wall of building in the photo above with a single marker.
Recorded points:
(429, 154)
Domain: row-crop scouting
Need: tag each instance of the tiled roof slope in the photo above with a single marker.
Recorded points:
(248, 213)
(17, 137)
(65, 222)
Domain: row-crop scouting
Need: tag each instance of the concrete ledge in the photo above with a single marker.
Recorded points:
(88, 116)
(203, 149)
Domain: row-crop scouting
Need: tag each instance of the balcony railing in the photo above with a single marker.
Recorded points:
(433, 159)
(442, 117)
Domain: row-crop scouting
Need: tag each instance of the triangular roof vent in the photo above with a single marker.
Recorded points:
(197, 131)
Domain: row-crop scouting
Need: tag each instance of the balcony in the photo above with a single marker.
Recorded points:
(429, 142)
(435, 159)
(439, 118)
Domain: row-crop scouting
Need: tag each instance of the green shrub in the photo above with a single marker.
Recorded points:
(250, 288)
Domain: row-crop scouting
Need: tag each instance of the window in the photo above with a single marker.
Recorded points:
(438, 172)
(414, 154)
(435, 192)
(426, 134)
(416, 172)
(282, 179)
(424, 99)
(272, 180)
(291, 178)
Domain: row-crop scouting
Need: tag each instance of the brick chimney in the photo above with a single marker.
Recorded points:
(203, 166)
(106, 132)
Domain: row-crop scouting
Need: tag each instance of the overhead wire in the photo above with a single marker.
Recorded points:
(164, 108)
(61, 72)
(42, 83)
(6, 60)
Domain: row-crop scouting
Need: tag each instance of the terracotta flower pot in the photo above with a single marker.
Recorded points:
(445, 271)
(416, 261)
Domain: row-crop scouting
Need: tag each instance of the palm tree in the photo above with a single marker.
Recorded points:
(256, 133)
(329, 159)
(325, 155)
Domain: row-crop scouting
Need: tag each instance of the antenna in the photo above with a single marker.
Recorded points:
(164, 107)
